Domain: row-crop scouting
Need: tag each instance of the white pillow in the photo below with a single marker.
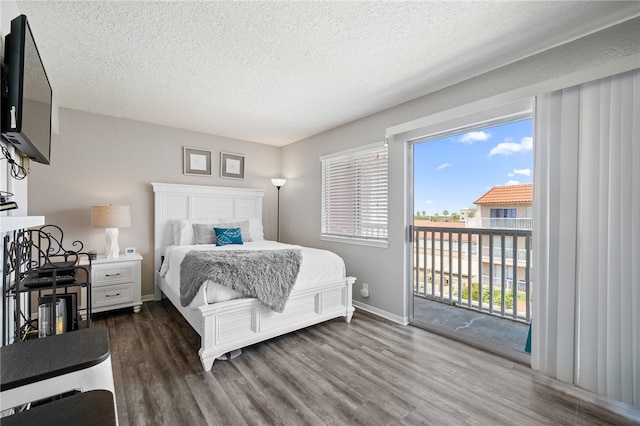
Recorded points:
(255, 229)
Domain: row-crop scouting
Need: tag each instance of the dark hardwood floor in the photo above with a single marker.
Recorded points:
(370, 372)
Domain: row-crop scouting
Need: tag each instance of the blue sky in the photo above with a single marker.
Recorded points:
(452, 172)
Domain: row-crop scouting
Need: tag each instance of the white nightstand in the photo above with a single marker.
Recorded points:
(116, 283)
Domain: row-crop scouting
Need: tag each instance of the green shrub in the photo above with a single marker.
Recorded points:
(474, 292)
(497, 295)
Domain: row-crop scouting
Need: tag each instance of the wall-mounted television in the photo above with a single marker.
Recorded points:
(26, 101)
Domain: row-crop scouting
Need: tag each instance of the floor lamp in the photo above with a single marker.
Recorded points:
(278, 183)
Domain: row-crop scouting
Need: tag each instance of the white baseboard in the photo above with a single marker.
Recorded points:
(379, 312)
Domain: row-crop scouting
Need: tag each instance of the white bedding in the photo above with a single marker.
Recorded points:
(317, 266)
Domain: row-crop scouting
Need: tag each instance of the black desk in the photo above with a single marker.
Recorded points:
(92, 408)
(35, 360)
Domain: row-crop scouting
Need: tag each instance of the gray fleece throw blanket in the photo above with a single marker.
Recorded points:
(267, 275)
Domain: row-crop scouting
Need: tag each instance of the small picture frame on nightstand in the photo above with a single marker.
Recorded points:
(129, 251)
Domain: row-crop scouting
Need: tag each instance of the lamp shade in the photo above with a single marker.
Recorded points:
(278, 182)
(112, 216)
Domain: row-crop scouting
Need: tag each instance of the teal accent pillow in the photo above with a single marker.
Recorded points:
(226, 236)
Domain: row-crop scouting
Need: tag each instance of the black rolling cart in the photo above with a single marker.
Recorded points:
(42, 276)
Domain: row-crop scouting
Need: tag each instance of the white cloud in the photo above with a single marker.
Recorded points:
(524, 172)
(472, 137)
(443, 166)
(509, 147)
(513, 182)
(429, 202)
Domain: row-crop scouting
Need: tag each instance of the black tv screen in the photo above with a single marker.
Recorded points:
(26, 111)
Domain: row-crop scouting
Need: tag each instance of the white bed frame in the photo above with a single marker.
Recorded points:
(231, 325)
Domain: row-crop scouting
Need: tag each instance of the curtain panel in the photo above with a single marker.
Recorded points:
(586, 252)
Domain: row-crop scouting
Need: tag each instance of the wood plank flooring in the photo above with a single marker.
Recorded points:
(369, 372)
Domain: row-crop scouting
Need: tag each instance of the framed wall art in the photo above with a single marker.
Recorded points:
(231, 165)
(197, 161)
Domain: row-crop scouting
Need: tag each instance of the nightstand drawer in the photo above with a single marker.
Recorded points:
(112, 274)
(116, 283)
(111, 295)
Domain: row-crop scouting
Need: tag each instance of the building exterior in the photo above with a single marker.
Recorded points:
(507, 206)
(467, 215)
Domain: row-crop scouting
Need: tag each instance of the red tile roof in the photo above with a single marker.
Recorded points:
(508, 194)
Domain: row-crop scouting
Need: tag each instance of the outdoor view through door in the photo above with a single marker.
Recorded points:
(473, 197)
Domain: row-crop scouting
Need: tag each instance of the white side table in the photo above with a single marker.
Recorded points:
(116, 283)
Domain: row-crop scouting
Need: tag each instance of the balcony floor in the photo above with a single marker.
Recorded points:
(490, 332)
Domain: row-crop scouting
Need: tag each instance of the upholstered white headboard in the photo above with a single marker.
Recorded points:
(176, 202)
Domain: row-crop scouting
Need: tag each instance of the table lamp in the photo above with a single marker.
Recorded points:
(111, 218)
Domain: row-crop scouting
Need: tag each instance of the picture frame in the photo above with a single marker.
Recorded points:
(197, 161)
(231, 165)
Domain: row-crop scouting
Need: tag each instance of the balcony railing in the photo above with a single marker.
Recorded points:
(475, 268)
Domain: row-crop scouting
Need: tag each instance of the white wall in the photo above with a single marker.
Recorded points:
(384, 269)
(97, 159)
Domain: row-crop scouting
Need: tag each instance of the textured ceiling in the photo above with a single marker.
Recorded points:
(277, 72)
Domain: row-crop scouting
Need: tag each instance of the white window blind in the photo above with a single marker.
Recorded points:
(355, 193)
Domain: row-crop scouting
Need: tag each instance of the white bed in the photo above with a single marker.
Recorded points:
(318, 295)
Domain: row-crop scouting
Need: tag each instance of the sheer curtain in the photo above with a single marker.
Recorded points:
(586, 324)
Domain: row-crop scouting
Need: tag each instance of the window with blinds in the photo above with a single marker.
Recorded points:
(355, 194)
